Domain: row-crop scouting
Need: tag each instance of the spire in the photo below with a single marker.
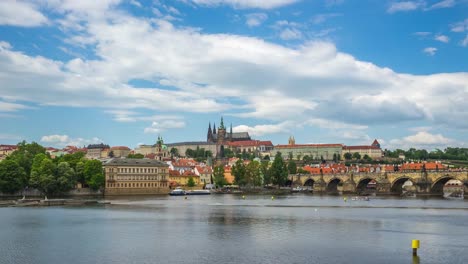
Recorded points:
(210, 133)
(222, 124)
(230, 133)
(214, 128)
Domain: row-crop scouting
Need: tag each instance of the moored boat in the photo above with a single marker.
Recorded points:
(177, 192)
(198, 192)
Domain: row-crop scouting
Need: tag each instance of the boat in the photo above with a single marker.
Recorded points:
(297, 189)
(198, 192)
(360, 198)
(177, 192)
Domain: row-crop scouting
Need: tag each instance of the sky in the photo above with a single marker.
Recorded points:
(123, 72)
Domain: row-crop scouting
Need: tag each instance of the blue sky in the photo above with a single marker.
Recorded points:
(123, 72)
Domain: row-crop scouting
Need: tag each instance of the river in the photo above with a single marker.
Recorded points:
(228, 229)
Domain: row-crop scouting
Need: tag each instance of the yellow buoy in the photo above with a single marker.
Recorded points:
(415, 246)
(272, 197)
(243, 197)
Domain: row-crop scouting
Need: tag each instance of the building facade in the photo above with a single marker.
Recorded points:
(373, 151)
(97, 151)
(119, 151)
(158, 151)
(262, 148)
(136, 176)
(6, 150)
(315, 151)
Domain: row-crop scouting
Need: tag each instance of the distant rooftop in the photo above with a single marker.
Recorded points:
(136, 162)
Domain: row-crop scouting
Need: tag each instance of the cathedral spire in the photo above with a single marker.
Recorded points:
(222, 124)
(214, 128)
(230, 133)
(210, 133)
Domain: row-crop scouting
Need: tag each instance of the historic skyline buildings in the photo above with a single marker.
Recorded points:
(222, 139)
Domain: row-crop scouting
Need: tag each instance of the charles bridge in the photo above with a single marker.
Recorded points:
(427, 182)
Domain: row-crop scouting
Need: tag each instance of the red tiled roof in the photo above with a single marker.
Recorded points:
(359, 147)
(250, 143)
(120, 148)
(309, 145)
(174, 173)
(204, 170)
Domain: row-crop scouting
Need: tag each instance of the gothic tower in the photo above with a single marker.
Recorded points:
(230, 133)
(209, 136)
(291, 141)
(221, 139)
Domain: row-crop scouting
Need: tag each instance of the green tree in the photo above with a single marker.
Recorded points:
(356, 155)
(93, 174)
(11, 176)
(111, 154)
(307, 159)
(228, 153)
(278, 170)
(348, 156)
(292, 167)
(367, 158)
(135, 156)
(65, 177)
(24, 156)
(253, 174)
(218, 175)
(79, 172)
(238, 170)
(190, 182)
(265, 172)
(36, 170)
(72, 159)
(174, 152)
(45, 177)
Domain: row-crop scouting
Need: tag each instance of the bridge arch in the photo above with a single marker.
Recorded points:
(309, 182)
(362, 184)
(332, 185)
(397, 184)
(438, 185)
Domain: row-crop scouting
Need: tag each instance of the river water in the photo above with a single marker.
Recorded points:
(228, 229)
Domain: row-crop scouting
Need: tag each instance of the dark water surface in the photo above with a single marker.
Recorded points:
(226, 229)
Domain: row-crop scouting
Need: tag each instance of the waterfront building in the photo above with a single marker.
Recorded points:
(315, 151)
(205, 173)
(181, 179)
(373, 151)
(158, 151)
(136, 176)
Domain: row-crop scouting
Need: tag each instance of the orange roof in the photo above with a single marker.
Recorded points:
(174, 173)
(360, 147)
(309, 145)
(250, 143)
(120, 148)
(314, 170)
(204, 170)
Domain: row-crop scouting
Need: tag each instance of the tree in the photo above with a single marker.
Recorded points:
(35, 179)
(264, 172)
(135, 156)
(252, 174)
(278, 170)
(65, 176)
(238, 170)
(79, 172)
(111, 154)
(292, 167)
(218, 175)
(11, 176)
(307, 159)
(348, 156)
(44, 177)
(356, 155)
(174, 152)
(367, 158)
(24, 156)
(190, 182)
(93, 174)
(228, 153)
(72, 159)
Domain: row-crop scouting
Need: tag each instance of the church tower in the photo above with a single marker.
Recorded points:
(221, 140)
(291, 141)
(209, 136)
(230, 134)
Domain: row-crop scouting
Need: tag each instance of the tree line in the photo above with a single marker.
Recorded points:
(437, 154)
(30, 166)
(257, 173)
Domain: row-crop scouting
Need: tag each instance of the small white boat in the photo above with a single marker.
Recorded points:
(177, 192)
(198, 192)
(297, 189)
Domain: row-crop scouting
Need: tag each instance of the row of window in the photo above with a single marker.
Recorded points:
(137, 185)
(137, 170)
(138, 178)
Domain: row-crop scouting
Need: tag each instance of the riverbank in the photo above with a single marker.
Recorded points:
(50, 202)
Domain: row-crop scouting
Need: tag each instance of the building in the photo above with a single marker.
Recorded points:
(183, 146)
(181, 179)
(205, 173)
(262, 148)
(158, 151)
(315, 151)
(6, 150)
(119, 151)
(97, 151)
(222, 138)
(373, 151)
(136, 176)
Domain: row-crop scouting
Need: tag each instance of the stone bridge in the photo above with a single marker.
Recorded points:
(430, 182)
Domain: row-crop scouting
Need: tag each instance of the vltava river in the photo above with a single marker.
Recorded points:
(227, 229)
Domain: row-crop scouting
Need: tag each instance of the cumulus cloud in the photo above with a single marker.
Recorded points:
(405, 6)
(255, 19)
(290, 33)
(163, 125)
(443, 4)
(442, 38)
(423, 139)
(321, 18)
(239, 75)
(260, 130)
(65, 140)
(430, 51)
(244, 4)
(22, 14)
(464, 42)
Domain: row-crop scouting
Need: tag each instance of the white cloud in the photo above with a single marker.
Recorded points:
(255, 19)
(11, 107)
(321, 18)
(422, 33)
(244, 4)
(19, 13)
(430, 51)
(290, 34)
(159, 126)
(464, 42)
(423, 139)
(261, 130)
(405, 6)
(10, 137)
(442, 38)
(135, 3)
(442, 4)
(460, 26)
(65, 140)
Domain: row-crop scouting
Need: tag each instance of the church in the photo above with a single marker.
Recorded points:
(221, 138)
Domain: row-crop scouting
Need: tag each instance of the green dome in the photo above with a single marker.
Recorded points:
(164, 147)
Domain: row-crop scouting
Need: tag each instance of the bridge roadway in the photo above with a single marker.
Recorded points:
(429, 182)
